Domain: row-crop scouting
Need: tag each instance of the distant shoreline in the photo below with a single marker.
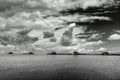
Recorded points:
(88, 54)
(111, 54)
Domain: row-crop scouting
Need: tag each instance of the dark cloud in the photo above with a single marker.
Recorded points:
(90, 35)
(66, 39)
(25, 31)
(92, 7)
(110, 10)
(48, 34)
(53, 39)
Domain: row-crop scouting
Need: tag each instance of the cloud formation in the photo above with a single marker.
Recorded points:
(53, 39)
(19, 38)
(66, 39)
(101, 49)
(48, 34)
(114, 37)
(59, 24)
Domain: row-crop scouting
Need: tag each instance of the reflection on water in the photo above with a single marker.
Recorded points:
(59, 67)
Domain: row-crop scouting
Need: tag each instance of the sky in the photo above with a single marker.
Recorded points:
(64, 26)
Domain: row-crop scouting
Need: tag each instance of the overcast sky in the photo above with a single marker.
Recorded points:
(60, 25)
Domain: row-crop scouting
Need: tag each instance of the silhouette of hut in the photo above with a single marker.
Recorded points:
(10, 53)
(52, 53)
(76, 53)
(105, 53)
(31, 53)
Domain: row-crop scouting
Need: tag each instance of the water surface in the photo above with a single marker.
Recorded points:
(59, 67)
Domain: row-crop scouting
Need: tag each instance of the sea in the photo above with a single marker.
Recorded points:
(59, 67)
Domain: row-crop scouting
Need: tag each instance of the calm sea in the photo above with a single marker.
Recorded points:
(59, 67)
